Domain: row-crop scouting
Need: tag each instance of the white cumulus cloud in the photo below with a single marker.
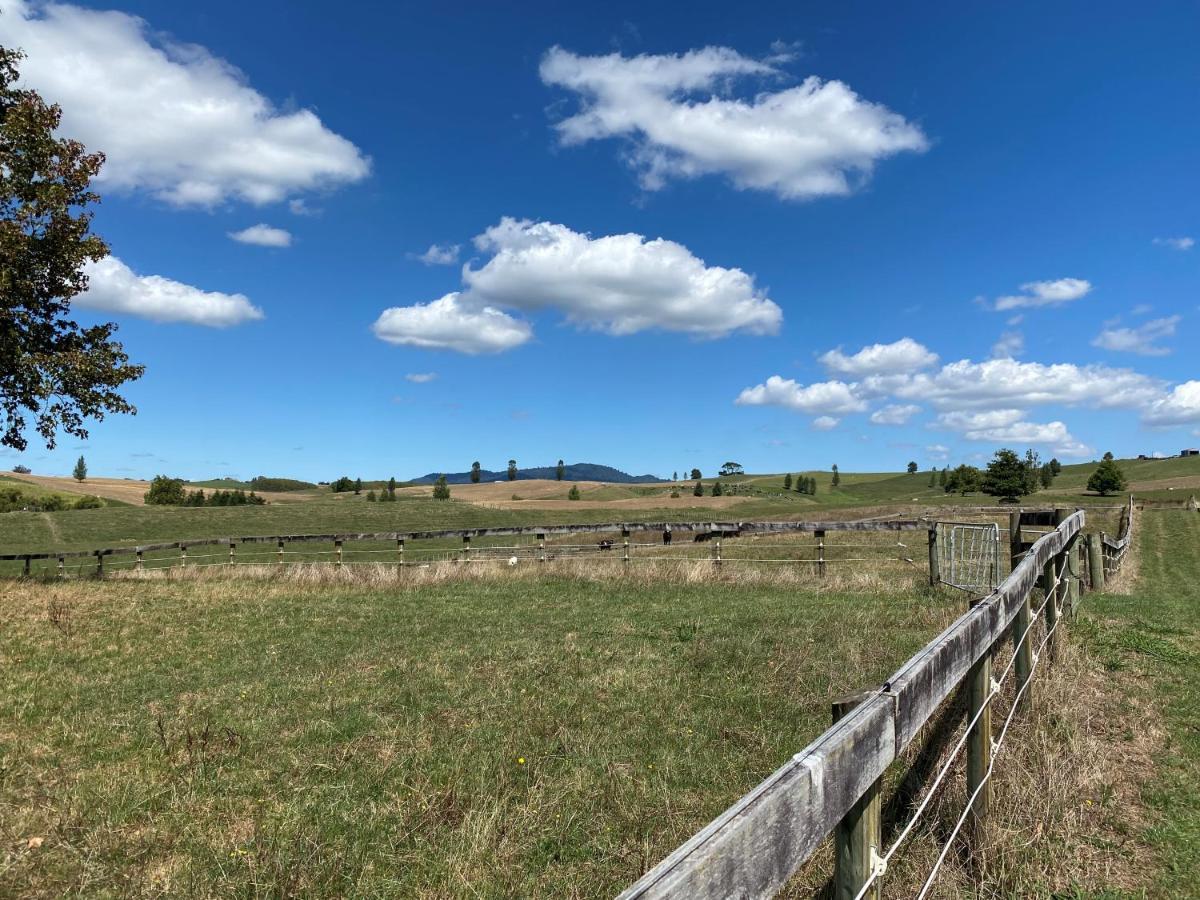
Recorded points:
(449, 324)
(171, 118)
(114, 287)
(440, 254)
(1140, 340)
(824, 397)
(825, 423)
(1181, 406)
(263, 236)
(1045, 293)
(898, 358)
(814, 139)
(894, 414)
(420, 377)
(1010, 345)
(1176, 243)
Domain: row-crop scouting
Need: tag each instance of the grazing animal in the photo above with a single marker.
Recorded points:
(606, 545)
(666, 535)
(512, 560)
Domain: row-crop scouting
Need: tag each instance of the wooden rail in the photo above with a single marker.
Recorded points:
(752, 848)
(466, 534)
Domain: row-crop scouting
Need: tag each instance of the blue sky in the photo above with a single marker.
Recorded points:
(667, 228)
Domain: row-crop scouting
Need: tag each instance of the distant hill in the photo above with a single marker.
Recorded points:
(574, 472)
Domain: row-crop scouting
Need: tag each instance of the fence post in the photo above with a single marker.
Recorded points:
(1023, 643)
(232, 546)
(337, 549)
(26, 569)
(820, 535)
(99, 564)
(400, 552)
(141, 561)
(1096, 561)
(1051, 573)
(625, 539)
(62, 567)
(183, 556)
(859, 833)
(935, 572)
(466, 549)
(717, 553)
(1014, 538)
(541, 539)
(979, 742)
(281, 554)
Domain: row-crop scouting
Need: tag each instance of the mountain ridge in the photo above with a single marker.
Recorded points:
(573, 472)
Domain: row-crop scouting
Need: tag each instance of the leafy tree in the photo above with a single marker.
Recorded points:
(1108, 457)
(88, 501)
(166, 491)
(675, 476)
(912, 468)
(1047, 476)
(475, 472)
(1033, 466)
(812, 486)
(80, 471)
(731, 468)
(837, 479)
(696, 474)
(1006, 476)
(787, 481)
(963, 480)
(371, 496)
(801, 484)
(560, 471)
(717, 490)
(942, 476)
(1054, 466)
(933, 477)
(1107, 478)
(391, 488)
(441, 490)
(357, 486)
(22, 470)
(512, 470)
(698, 490)
(51, 369)
(341, 485)
(573, 493)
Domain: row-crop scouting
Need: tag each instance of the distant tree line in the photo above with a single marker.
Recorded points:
(13, 499)
(168, 491)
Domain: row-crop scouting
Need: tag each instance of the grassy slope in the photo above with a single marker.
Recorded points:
(518, 738)
(1155, 632)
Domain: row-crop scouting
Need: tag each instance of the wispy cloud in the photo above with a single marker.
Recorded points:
(1141, 340)
(1176, 243)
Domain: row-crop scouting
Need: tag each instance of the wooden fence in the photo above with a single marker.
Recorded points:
(833, 785)
(137, 555)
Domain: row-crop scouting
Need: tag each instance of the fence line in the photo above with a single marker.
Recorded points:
(752, 848)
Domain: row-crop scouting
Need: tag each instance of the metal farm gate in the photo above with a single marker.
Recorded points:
(969, 556)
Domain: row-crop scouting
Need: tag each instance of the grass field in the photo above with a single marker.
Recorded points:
(548, 737)
(1149, 631)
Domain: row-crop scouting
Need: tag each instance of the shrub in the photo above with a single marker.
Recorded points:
(1107, 478)
(698, 490)
(22, 470)
(717, 490)
(165, 491)
(88, 501)
(371, 496)
(787, 481)
(573, 493)
(441, 490)
(341, 485)
(674, 495)
(279, 485)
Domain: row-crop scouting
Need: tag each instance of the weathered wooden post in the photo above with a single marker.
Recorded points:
(1053, 589)
(541, 539)
(935, 572)
(183, 556)
(337, 550)
(232, 548)
(26, 570)
(1014, 538)
(859, 834)
(99, 564)
(625, 539)
(1096, 561)
(141, 561)
(466, 548)
(62, 567)
(400, 553)
(281, 554)
(1023, 643)
(820, 535)
(979, 742)
(717, 553)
